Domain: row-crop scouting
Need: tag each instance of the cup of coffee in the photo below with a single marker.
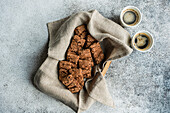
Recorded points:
(130, 16)
(142, 41)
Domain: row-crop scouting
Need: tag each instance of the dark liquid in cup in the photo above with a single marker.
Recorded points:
(141, 41)
(130, 17)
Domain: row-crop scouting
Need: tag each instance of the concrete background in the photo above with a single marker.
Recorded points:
(139, 83)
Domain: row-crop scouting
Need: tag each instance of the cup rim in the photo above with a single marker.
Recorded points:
(128, 7)
(143, 31)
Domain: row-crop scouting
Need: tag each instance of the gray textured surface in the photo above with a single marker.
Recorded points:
(139, 83)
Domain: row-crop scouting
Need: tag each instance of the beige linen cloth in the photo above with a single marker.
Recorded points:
(114, 41)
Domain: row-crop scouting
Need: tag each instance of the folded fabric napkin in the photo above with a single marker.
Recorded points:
(114, 42)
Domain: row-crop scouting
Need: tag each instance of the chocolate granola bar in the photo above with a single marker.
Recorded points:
(64, 65)
(97, 52)
(90, 40)
(80, 41)
(77, 74)
(80, 29)
(85, 64)
(86, 73)
(86, 55)
(83, 35)
(72, 58)
(63, 72)
(67, 80)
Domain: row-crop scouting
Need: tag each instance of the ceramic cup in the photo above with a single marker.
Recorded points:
(142, 41)
(130, 16)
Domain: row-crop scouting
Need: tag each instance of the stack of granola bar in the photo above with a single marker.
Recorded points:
(83, 53)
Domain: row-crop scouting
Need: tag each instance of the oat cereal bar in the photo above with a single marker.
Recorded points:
(90, 40)
(72, 58)
(85, 64)
(80, 29)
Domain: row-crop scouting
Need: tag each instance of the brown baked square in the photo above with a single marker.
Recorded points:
(80, 29)
(70, 51)
(97, 52)
(72, 58)
(99, 58)
(95, 45)
(67, 80)
(77, 74)
(73, 84)
(80, 41)
(86, 55)
(65, 65)
(73, 46)
(80, 80)
(63, 72)
(85, 64)
(90, 40)
(86, 73)
(83, 35)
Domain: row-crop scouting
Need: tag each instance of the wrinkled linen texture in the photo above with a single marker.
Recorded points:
(114, 41)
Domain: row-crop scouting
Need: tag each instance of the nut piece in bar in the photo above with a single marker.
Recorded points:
(80, 29)
(85, 64)
(72, 58)
(90, 40)
(97, 52)
(67, 80)
(65, 65)
(86, 73)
